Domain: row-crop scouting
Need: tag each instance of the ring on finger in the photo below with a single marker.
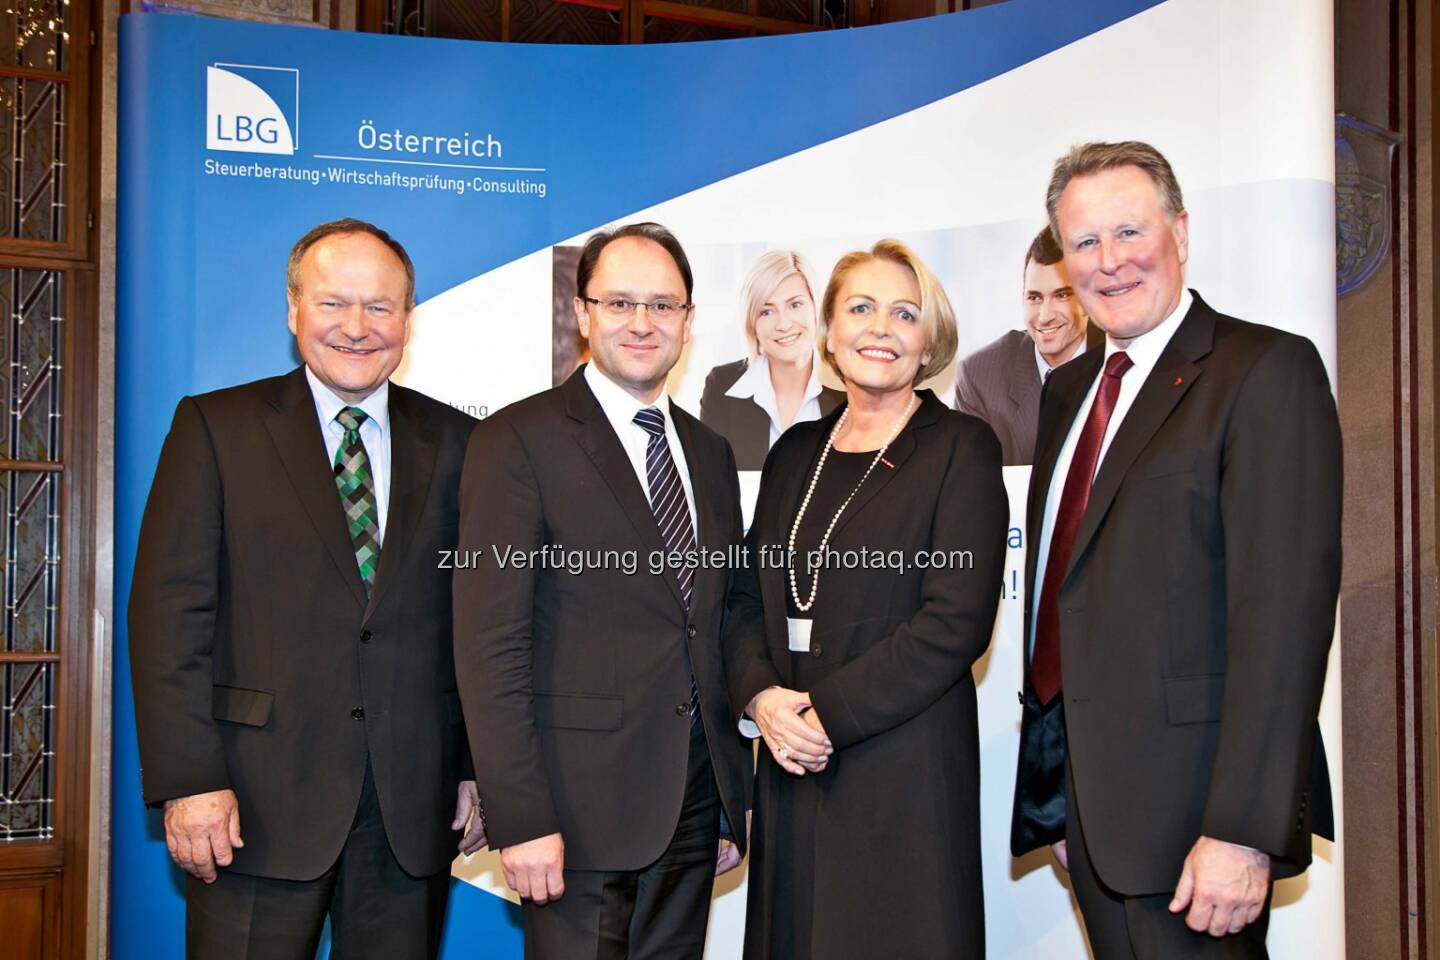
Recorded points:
(784, 752)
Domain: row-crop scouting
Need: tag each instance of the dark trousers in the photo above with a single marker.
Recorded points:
(658, 913)
(376, 909)
(1143, 928)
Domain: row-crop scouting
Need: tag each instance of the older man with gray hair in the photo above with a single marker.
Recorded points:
(1184, 513)
(290, 634)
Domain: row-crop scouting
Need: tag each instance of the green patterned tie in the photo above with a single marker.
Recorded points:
(357, 494)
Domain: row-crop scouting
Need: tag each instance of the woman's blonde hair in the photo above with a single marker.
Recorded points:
(937, 317)
(772, 269)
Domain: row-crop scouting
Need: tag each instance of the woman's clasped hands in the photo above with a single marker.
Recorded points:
(792, 730)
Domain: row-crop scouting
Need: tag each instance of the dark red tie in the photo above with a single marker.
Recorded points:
(1045, 662)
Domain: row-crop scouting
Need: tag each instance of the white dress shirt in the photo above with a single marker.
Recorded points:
(374, 434)
(620, 409)
(1044, 367)
(755, 384)
(1143, 352)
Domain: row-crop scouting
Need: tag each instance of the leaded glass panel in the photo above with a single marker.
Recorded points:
(32, 308)
(30, 552)
(27, 751)
(35, 34)
(801, 11)
(32, 159)
(666, 30)
(548, 21)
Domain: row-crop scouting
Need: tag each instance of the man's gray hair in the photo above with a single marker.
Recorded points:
(1089, 158)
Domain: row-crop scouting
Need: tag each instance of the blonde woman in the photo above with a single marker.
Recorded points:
(751, 402)
(877, 551)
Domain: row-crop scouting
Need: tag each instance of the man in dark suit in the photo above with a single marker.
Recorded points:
(1000, 383)
(593, 673)
(1184, 520)
(290, 633)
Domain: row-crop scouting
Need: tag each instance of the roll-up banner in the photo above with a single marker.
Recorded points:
(492, 162)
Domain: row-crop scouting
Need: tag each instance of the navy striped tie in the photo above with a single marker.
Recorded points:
(672, 511)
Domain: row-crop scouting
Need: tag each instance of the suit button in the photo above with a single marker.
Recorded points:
(690, 631)
(358, 713)
(816, 650)
(365, 636)
(682, 709)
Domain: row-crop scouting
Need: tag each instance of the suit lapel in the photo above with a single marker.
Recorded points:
(1024, 378)
(710, 494)
(295, 430)
(792, 474)
(1173, 376)
(899, 451)
(412, 464)
(597, 438)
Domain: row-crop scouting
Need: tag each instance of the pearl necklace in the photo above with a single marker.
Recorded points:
(825, 540)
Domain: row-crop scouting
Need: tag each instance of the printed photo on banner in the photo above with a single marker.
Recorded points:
(753, 366)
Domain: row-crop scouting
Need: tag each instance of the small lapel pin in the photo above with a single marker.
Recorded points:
(1179, 380)
(887, 463)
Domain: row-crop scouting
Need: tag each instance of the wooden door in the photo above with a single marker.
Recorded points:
(47, 446)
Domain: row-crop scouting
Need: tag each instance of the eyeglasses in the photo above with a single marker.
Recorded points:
(660, 309)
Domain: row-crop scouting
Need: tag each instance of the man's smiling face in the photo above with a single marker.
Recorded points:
(1124, 251)
(349, 315)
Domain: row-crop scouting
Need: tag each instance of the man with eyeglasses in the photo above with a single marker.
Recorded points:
(610, 765)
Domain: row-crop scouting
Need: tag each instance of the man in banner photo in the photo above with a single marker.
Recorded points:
(1000, 383)
(290, 634)
(1185, 512)
(599, 525)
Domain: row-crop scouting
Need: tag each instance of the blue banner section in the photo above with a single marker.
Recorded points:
(235, 138)
(605, 129)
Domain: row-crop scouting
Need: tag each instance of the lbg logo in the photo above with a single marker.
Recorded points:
(252, 109)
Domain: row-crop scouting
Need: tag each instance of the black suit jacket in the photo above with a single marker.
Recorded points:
(1000, 384)
(1197, 611)
(740, 419)
(257, 661)
(576, 681)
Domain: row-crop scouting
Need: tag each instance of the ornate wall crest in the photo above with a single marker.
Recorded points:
(1363, 187)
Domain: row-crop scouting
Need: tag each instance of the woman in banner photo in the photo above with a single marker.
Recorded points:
(751, 402)
(875, 554)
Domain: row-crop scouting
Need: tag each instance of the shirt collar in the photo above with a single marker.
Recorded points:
(755, 382)
(1045, 368)
(376, 406)
(1145, 349)
(619, 406)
